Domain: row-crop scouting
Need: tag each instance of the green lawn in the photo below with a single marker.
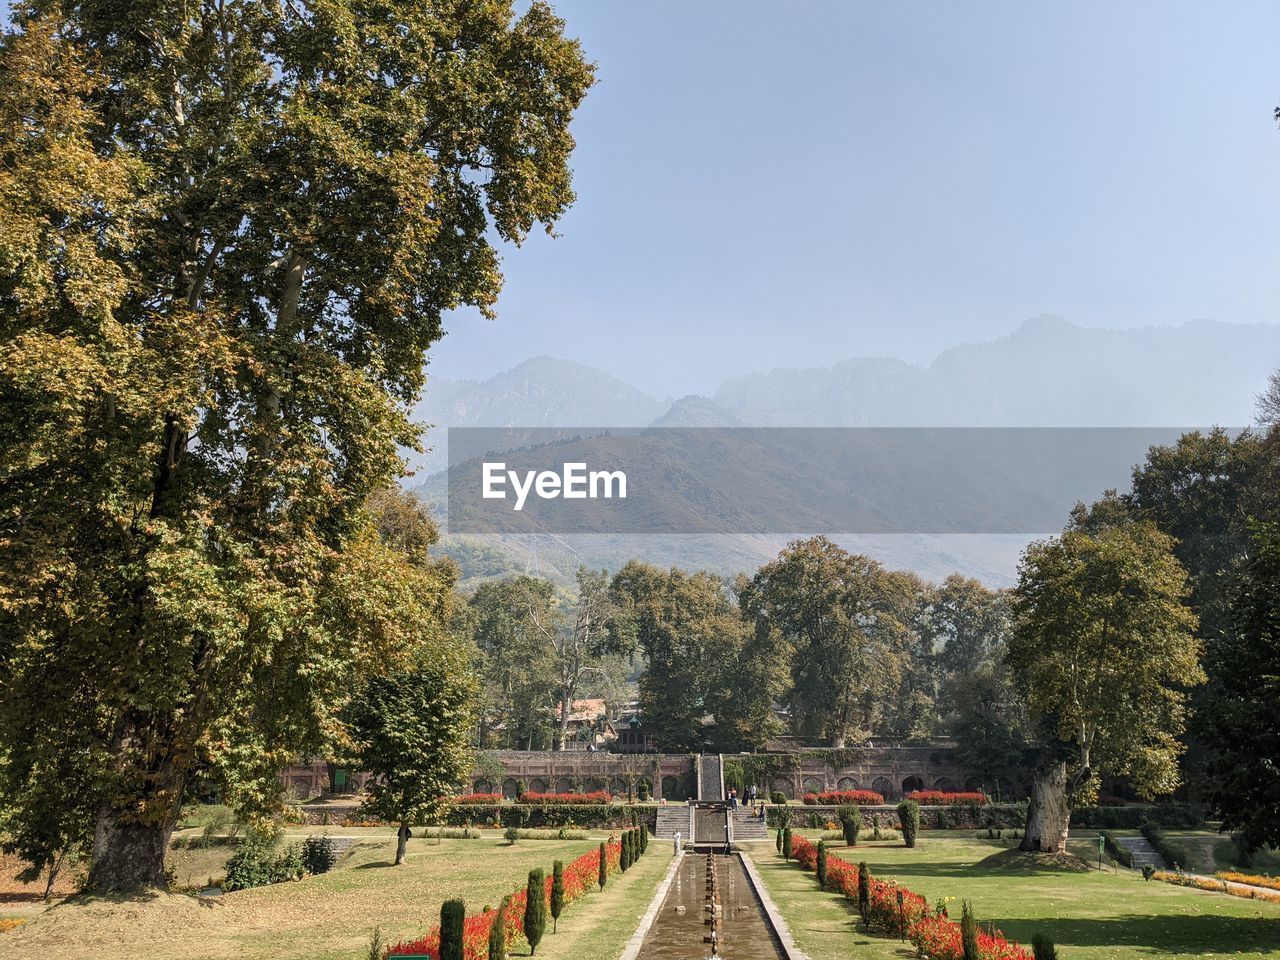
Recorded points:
(330, 917)
(1099, 915)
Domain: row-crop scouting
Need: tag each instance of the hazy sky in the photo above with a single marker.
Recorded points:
(783, 184)
(770, 184)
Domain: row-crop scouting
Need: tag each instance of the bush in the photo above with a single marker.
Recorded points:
(947, 798)
(452, 915)
(644, 838)
(909, 818)
(1042, 947)
(473, 798)
(535, 908)
(1117, 851)
(573, 799)
(821, 867)
(624, 861)
(866, 798)
(318, 854)
(255, 864)
(642, 790)
(603, 871)
(779, 840)
(511, 835)
(864, 893)
(778, 797)
(786, 843)
(850, 823)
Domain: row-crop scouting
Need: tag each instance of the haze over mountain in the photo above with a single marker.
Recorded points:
(1047, 372)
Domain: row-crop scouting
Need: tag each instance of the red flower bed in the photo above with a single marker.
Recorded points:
(579, 877)
(935, 937)
(598, 796)
(479, 798)
(938, 938)
(944, 798)
(863, 798)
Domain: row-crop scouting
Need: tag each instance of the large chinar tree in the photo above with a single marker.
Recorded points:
(229, 231)
(1103, 650)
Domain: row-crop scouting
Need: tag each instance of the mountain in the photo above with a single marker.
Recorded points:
(1048, 372)
(541, 392)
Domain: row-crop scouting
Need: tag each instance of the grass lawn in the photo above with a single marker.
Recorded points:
(1099, 915)
(330, 917)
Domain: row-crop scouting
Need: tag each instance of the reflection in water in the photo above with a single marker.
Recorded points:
(710, 899)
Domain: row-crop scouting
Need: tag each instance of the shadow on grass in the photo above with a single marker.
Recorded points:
(1190, 935)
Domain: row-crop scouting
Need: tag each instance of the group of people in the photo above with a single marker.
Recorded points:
(749, 794)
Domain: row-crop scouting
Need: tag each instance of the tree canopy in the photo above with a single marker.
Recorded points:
(228, 235)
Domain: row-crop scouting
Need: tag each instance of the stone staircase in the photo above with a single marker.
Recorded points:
(1144, 854)
(747, 826)
(672, 820)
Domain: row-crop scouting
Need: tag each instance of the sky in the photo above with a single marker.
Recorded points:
(767, 184)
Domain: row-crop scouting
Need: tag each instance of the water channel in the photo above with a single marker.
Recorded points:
(711, 910)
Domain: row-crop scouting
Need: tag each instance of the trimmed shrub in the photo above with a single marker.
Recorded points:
(864, 893)
(1042, 947)
(786, 843)
(557, 893)
(535, 909)
(511, 835)
(969, 933)
(909, 818)
(644, 838)
(498, 933)
(779, 840)
(625, 862)
(778, 797)
(603, 876)
(642, 790)
(453, 913)
(820, 868)
(850, 823)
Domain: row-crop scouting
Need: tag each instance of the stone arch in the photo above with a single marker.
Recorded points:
(670, 785)
(537, 785)
(974, 785)
(912, 783)
(784, 787)
(618, 786)
(944, 783)
(813, 785)
(592, 784)
(564, 785)
(883, 786)
(846, 783)
(483, 786)
(509, 788)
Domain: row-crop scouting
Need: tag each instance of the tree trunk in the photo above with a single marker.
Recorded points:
(1049, 815)
(402, 843)
(128, 856)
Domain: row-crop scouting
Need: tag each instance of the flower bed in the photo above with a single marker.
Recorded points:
(1252, 879)
(579, 877)
(1216, 886)
(576, 799)
(863, 798)
(478, 798)
(944, 798)
(935, 936)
